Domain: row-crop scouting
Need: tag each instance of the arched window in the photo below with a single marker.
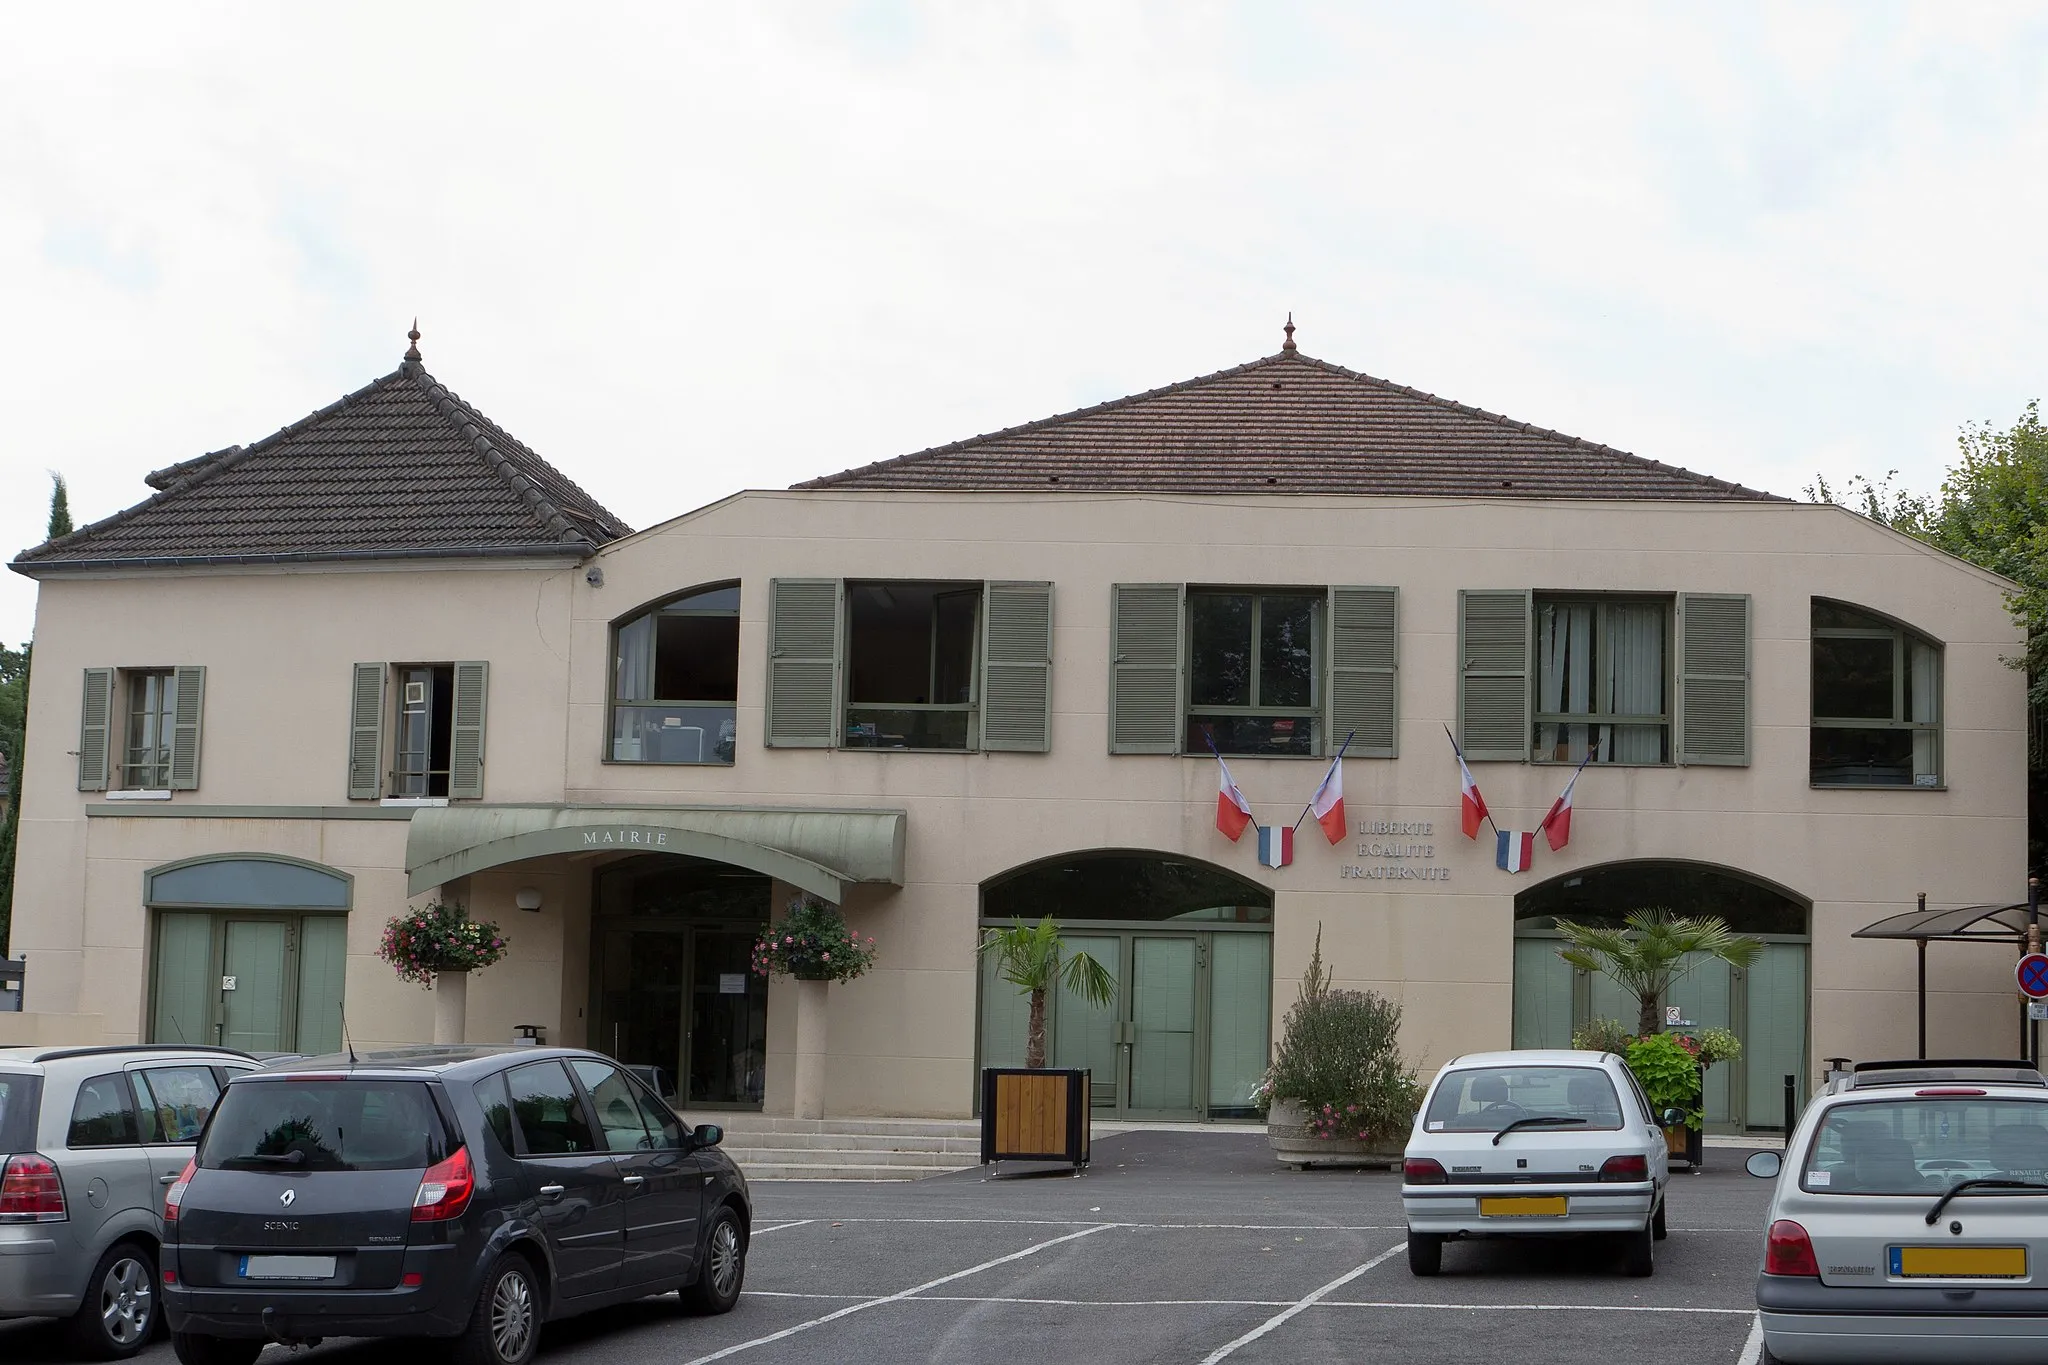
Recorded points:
(675, 678)
(1876, 701)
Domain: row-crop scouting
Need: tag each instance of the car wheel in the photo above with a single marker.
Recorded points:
(193, 1349)
(1639, 1253)
(722, 1267)
(1425, 1252)
(504, 1327)
(1657, 1228)
(118, 1316)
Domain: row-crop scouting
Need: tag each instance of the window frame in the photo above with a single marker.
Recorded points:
(1902, 638)
(1319, 660)
(1666, 719)
(971, 708)
(395, 776)
(137, 683)
(609, 742)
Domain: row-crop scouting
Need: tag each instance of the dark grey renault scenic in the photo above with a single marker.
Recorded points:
(465, 1193)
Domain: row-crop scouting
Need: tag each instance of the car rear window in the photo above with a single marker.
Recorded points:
(1488, 1099)
(18, 1091)
(1925, 1144)
(325, 1125)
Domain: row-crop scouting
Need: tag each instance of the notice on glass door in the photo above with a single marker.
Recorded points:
(732, 983)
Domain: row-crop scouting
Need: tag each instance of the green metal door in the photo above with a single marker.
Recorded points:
(253, 986)
(1084, 1034)
(1774, 1041)
(1543, 995)
(1240, 1020)
(323, 957)
(1162, 1026)
(1705, 999)
(185, 982)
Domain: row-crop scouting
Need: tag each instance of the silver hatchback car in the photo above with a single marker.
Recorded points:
(1910, 1218)
(89, 1138)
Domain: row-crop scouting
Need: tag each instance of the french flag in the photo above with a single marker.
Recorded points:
(1327, 805)
(1233, 812)
(1472, 803)
(1557, 826)
(1276, 845)
(1513, 849)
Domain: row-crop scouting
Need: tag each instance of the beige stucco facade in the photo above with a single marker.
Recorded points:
(279, 644)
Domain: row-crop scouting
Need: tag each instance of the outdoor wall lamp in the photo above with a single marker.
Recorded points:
(527, 898)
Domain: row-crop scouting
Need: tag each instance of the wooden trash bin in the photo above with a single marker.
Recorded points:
(1034, 1115)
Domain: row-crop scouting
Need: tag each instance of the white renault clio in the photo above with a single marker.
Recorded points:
(1535, 1143)
(1910, 1218)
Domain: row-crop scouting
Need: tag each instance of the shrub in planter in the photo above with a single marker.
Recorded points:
(1669, 1073)
(1339, 1062)
(812, 943)
(1603, 1035)
(439, 937)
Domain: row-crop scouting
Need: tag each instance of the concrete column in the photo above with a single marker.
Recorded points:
(451, 1006)
(811, 1005)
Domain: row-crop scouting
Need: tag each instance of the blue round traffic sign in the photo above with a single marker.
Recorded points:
(2033, 975)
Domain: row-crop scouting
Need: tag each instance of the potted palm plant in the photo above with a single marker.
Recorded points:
(1036, 1114)
(1338, 1092)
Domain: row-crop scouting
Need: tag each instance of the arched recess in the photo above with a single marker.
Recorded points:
(674, 678)
(1190, 946)
(264, 881)
(1764, 1005)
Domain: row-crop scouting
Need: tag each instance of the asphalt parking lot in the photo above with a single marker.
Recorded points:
(1173, 1247)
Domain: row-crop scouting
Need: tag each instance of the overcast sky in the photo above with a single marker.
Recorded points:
(685, 249)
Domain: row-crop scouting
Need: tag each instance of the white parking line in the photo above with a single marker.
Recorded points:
(1308, 1302)
(1535, 1307)
(1753, 1349)
(853, 1308)
(777, 1227)
(1168, 1227)
(1277, 1303)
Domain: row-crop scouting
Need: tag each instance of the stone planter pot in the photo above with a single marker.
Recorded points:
(451, 1006)
(1294, 1145)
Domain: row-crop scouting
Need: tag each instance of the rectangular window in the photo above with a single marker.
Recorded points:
(911, 675)
(1876, 702)
(1603, 679)
(103, 1115)
(173, 1101)
(1254, 671)
(152, 712)
(424, 730)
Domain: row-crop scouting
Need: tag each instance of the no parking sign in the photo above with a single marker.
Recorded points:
(2032, 974)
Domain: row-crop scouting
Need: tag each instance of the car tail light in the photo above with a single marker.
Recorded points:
(1420, 1170)
(445, 1189)
(167, 1275)
(31, 1190)
(174, 1197)
(1788, 1251)
(1633, 1167)
(412, 1279)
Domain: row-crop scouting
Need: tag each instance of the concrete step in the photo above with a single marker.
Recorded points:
(815, 1171)
(748, 1124)
(850, 1156)
(855, 1142)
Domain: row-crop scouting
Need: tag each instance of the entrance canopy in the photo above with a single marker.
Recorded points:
(820, 851)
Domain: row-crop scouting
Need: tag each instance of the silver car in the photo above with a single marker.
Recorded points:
(1910, 1218)
(89, 1138)
(1535, 1143)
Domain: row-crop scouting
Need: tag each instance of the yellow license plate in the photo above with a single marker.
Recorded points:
(1989, 1263)
(1547, 1206)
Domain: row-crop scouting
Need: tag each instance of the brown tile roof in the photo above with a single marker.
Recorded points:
(1289, 424)
(401, 468)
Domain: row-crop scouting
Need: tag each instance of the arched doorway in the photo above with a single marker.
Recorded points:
(1191, 947)
(673, 993)
(1765, 1005)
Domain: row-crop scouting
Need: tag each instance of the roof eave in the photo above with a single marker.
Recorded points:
(577, 550)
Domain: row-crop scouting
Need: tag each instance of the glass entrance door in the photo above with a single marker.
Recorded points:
(1159, 1026)
(682, 1006)
(727, 1042)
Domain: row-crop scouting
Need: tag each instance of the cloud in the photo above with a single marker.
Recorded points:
(682, 249)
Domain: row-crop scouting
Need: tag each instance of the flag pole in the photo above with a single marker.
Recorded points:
(1210, 740)
(1461, 758)
(1326, 777)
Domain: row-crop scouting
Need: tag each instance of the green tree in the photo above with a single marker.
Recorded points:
(1034, 958)
(1654, 951)
(60, 507)
(13, 730)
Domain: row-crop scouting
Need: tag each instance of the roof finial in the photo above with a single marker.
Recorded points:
(1288, 344)
(412, 352)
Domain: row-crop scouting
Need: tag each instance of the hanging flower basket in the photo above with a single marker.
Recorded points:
(439, 937)
(812, 943)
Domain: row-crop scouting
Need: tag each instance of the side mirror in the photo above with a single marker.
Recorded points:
(1673, 1117)
(1764, 1165)
(706, 1135)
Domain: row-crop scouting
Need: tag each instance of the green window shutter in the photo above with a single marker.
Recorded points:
(1493, 674)
(95, 731)
(1364, 687)
(1713, 678)
(804, 625)
(366, 732)
(466, 735)
(1145, 667)
(191, 708)
(1016, 667)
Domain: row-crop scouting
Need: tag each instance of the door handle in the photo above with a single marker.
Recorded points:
(551, 1191)
(167, 1180)
(636, 1180)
